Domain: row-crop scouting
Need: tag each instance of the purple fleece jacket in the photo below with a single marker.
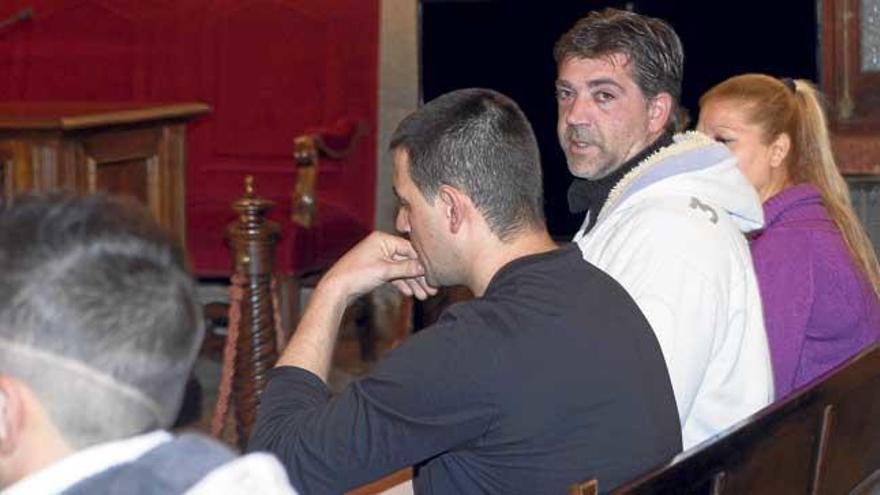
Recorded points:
(818, 307)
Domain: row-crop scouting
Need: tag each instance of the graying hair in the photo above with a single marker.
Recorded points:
(650, 45)
(97, 314)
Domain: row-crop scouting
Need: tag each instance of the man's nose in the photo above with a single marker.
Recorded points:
(580, 112)
(401, 223)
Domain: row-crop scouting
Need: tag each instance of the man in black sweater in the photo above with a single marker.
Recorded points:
(551, 375)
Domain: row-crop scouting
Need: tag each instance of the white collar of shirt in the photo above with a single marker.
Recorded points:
(78, 466)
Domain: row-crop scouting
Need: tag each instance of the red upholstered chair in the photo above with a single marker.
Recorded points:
(323, 228)
(313, 230)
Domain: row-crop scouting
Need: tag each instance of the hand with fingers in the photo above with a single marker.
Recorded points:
(417, 287)
(377, 259)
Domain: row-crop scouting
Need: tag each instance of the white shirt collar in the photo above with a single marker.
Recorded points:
(78, 466)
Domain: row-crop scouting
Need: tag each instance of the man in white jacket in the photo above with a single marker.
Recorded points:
(666, 214)
(99, 328)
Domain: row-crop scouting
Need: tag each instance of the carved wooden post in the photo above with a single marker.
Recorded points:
(252, 239)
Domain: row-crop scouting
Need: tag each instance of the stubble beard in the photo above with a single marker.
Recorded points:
(600, 166)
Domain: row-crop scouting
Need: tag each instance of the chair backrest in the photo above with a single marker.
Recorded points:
(822, 439)
(589, 487)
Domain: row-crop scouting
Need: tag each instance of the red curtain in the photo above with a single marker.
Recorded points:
(270, 69)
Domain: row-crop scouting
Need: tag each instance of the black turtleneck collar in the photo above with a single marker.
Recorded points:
(591, 195)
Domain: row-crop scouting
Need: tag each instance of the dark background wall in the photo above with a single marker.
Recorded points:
(507, 45)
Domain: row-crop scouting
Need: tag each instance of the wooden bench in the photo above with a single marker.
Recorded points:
(822, 439)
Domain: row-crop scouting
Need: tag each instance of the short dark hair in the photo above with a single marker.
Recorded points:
(97, 314)
(479, 141)
(650, 45)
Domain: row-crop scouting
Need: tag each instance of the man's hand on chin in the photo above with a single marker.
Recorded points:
(377, 259)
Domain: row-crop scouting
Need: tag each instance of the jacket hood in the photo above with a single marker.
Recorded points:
(694, 165)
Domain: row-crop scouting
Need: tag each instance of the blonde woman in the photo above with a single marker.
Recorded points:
(816, 268)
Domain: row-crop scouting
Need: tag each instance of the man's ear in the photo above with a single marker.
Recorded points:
(659, 112)
(779, 149)
(455, 207)
(11, 414)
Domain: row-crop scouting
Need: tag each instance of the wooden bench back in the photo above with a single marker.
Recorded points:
(822, 439)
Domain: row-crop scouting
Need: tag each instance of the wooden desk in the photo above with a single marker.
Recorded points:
(135, 149)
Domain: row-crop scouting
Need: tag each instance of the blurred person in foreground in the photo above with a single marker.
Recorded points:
(99, 328)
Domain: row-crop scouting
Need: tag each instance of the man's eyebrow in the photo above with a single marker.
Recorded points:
(605, 81)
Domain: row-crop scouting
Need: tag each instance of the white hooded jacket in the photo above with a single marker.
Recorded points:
(671, 232)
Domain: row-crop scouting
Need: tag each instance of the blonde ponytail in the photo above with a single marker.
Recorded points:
(796, 109)
(817, 166)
